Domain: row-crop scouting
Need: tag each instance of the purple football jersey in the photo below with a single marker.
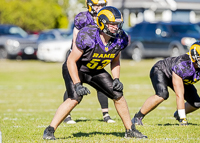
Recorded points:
(95, 54)
(182, 66)
(83, 19)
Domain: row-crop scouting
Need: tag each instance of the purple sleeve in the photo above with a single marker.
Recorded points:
(83, 40)
(124, 40)
(80, 20)
(183, 69)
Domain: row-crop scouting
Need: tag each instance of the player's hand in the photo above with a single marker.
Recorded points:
(81, 90)
(183, 122)
(117, 85)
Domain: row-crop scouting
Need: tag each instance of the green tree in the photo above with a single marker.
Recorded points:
(33, 15)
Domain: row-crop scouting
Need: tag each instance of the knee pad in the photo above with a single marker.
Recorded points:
(117, 94)
(65, 96)
(164, 94)
(79, 98)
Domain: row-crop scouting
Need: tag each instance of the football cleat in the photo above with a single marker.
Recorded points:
(137, 120)
(183, 122)
(69, 120)
(107, 119)
(134, 133)
(49, 133)
(176, 116)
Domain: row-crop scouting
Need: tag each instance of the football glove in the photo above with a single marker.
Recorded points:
(117, 85)
(183, 122)
(81, 90)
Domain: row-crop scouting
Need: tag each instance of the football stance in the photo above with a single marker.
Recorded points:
(178, 73)
(81, 20)
(95, 48)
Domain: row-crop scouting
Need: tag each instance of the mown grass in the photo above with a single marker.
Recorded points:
(31, 91)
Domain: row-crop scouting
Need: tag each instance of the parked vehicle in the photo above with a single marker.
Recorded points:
(53, 45)
(16, 43)
(54, 34)
(160, 39)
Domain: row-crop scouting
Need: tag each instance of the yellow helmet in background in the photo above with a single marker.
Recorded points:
(91, 3)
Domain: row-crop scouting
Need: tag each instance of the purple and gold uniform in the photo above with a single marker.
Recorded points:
(83, 19)
(96, 55)
(91, 64)
(161, 77)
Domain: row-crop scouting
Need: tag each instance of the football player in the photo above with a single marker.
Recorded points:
(95, 48)
(178, 73)
(81, 20)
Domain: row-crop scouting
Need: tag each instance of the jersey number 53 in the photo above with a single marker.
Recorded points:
(95, 63)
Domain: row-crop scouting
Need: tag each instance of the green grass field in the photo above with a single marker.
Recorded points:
(31, 91)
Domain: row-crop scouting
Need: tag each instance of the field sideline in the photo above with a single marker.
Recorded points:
(31, 91)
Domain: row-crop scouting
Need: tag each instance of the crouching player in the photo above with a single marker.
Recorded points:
(95, 48)
(178, 73)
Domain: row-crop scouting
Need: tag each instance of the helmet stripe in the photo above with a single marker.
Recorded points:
(108, 14)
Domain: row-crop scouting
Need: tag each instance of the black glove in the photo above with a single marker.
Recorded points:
(117, 85)
(81, 90)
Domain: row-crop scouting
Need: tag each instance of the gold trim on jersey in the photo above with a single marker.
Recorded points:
(106, 48)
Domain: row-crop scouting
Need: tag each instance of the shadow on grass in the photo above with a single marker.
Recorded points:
(83, 134)
(86, 120)
(168, 124)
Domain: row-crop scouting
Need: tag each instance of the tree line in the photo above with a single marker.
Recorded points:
(34, 15)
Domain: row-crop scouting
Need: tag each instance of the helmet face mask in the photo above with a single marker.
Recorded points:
(91, 3)
(195, 53)
(110, 15)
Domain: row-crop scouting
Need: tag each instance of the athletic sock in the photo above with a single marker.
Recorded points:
(139, 114)
(104, 113)
(68, 116)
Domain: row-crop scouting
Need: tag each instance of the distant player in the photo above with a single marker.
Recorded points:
(81, 20)
(95, 48)
(178, 73)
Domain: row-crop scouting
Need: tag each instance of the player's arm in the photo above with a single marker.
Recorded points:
(115, 69)
(74, 56)
(75, 32)
(179, 90)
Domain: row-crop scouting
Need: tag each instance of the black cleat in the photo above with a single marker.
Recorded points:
(134, 133)
(69, 120)
(49, 133)
(137, 120)
(107, 119)
(182, 122)
(176, 116)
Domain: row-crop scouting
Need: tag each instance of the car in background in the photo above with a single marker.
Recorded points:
(160, 39)
(16, 43)
(53, 34)
(53, 45)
